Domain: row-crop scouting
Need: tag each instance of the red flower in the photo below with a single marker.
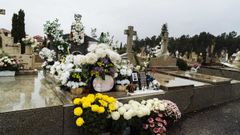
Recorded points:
(158, 119)
(156, 130)
(150, 120)
(152, 125)
(145, 126)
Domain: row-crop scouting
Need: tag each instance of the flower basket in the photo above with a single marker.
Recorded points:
(7, 73)
(77, 91)
(121, 88)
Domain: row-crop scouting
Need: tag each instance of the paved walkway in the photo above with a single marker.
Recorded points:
(219, 120)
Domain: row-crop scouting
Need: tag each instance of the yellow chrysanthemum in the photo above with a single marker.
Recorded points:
(99, 95)
(95, 108)
(103, 103)
(111, 107)
(79, 121)
(101, 110)
(90, 99)
(111, 99)
(105, 97)
(78, 111)
(76, 101)
(86, 104)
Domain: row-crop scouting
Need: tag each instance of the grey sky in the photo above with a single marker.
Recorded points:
(147, 16)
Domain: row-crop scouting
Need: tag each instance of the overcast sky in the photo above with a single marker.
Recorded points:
(147, 16)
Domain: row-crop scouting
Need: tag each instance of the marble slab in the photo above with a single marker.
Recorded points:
(201, 77)
(25, 92)
(169, 82)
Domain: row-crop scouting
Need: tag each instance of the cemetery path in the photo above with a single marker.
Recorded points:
(219, 120)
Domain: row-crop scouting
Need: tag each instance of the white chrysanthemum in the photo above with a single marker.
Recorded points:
(92, 47)
(123, 71)
(162, 107)
(127, 106)
(127, 115)
(91, 58)
(129, 72)
(115, 115)
(122, 110)
(101, 53)
(79, 60)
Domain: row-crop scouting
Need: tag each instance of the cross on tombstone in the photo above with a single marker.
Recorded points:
(130, 33)
(2, 11)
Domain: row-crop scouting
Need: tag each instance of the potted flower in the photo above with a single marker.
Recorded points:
(123, 78)
(48, 56)
(8, 66)
(29, 43)
(92, 113)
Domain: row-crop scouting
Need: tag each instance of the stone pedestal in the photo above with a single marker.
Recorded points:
(28, 50)
(163, 61)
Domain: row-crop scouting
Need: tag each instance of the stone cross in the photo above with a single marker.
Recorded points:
(130, 33)
(2, 11)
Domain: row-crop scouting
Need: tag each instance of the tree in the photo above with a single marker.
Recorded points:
(14, 30)
(18, 28)
(21, 24)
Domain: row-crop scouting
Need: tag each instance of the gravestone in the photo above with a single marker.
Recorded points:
(163, 59)
(130, 33)
(143, 79)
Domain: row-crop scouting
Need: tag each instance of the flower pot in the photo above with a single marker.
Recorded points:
(101, 85)
(121, 88)
(77, 91)
(7, 73)
(28, 50)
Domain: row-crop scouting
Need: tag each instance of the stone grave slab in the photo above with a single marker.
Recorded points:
(216, 80)
(169, 82)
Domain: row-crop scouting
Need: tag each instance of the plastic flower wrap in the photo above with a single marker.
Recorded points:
(92, 112)
(8, 63)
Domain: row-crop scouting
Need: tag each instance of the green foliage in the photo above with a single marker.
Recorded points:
(18, 26)
(182, 65)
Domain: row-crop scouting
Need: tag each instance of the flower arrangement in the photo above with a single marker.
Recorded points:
(153, 83)
(52, 30)
(92, 112)
(163, 114)
(151, 116)
(48, 56)
(8, 63)
(124, 75)
(29, 41)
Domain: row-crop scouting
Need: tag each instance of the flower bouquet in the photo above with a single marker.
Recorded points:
(29, 41)
(124, 75)
(48, 56)
(8, 66)
(163, 114)
(92, 111)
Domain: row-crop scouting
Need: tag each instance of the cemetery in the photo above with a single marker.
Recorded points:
(74, 83)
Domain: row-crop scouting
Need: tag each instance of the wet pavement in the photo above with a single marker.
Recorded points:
(25, 92)
(218, 120)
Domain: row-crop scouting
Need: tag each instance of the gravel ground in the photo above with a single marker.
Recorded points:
(218, 120)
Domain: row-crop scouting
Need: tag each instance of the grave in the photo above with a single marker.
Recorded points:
(216, 80)
(130, 33)
(7, 46)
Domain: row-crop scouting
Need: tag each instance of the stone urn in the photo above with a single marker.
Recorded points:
(77, 91)
(28, 50)
(121, 88)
